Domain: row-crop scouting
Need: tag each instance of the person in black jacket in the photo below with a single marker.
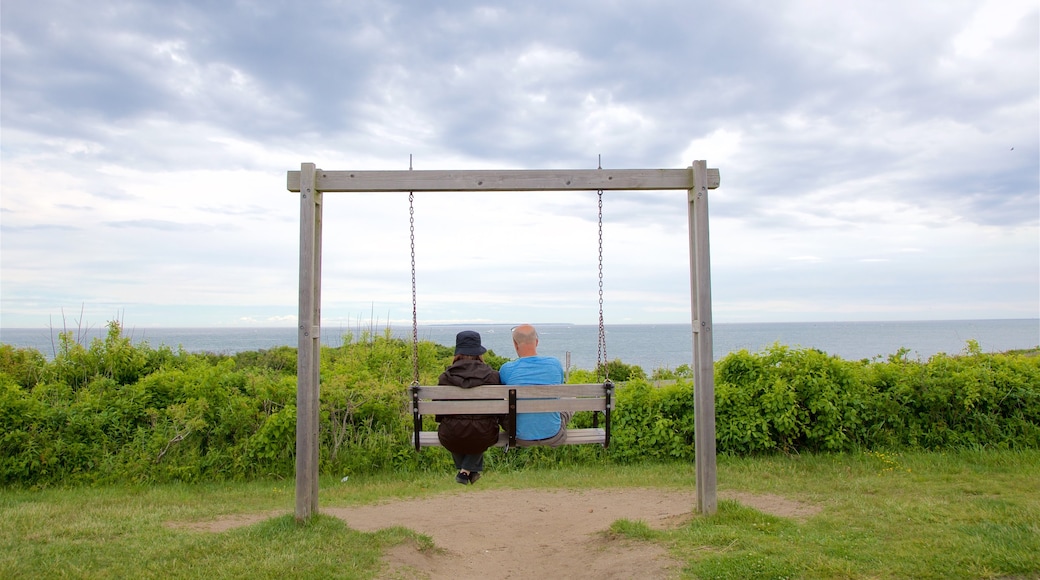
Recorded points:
(467, 437)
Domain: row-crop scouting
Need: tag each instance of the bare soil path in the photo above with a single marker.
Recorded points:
(519, 534)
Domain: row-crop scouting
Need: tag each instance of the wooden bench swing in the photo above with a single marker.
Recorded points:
(511, 400)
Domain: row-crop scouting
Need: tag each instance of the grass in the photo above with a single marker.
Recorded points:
(883, 515)
(970, 514)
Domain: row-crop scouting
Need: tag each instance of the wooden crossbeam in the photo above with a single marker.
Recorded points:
(510, 180)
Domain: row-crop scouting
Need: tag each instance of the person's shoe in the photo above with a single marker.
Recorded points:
(462, 478)
(474, 476)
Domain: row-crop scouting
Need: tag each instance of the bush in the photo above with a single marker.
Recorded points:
(787, 400)
(972, 400)
(25, 366)
(653, 423)
(112, 411)
(790, 400)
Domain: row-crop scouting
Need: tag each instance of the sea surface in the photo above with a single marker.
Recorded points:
(651, 346)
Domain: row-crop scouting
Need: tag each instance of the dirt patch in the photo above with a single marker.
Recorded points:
(529, 533)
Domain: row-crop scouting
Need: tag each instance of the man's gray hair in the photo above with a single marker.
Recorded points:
(525, 334)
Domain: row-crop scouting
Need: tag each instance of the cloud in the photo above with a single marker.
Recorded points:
(871, 167)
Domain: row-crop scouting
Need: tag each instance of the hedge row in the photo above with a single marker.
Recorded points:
(788, 400)
(113, 411)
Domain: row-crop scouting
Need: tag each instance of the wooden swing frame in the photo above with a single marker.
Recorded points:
(311, 183)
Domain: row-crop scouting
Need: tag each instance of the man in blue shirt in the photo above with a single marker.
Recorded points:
(530, 369)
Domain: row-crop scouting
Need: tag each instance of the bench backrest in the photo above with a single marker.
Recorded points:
(494, 399)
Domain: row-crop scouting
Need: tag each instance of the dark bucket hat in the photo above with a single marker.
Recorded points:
(468, 342)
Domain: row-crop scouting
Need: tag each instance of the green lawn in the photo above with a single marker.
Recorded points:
(877, 515)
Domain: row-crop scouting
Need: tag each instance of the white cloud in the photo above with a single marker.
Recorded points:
(872, 168)
(992, 22)
(722, 147)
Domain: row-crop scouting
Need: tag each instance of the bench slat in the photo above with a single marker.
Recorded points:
(584, 390)
(464, 407)
(586, 436)
(451, 393)
(543, 405)
(496, 391)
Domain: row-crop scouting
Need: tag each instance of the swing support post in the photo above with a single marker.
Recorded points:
(703, 354)
(308, 356)
(311, 183)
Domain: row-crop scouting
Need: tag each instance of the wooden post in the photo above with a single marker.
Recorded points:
(308, 358)
(703, 355)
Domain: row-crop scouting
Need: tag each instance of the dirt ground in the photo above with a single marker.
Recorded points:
(530, 533)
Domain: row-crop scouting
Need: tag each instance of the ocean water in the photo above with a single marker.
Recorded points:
(650, 346)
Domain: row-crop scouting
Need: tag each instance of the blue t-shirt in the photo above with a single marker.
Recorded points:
(534, 370)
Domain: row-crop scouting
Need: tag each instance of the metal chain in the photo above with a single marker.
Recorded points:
(601, 356)
(415, 315)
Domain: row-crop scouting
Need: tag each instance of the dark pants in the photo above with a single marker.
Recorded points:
(469, 461)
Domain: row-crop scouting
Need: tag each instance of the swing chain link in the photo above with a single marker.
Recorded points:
(601, 355)
(415, 316)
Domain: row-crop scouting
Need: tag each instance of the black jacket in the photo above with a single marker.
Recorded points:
(468, 434)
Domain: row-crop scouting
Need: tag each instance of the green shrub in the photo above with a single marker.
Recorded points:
(972, 400)
(279, 359)
(787, 400)
(653, 423)
(112, 411)
(620, 372)
(25, 366)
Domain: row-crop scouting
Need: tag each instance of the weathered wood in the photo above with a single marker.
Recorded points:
(493, 399)
(308, 358)
(499, 391)
(594, 390)
(703, 356)
(464, 407)
(501, 406)
(508, 180)
(587, 435)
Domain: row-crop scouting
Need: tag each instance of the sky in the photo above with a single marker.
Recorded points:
(879, 160)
